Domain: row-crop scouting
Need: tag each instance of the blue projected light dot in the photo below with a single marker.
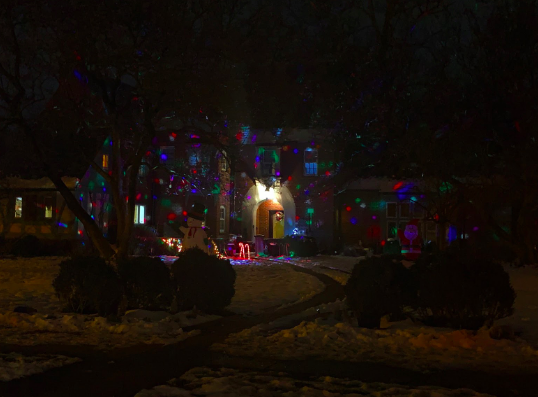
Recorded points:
(353, 221)
(296, 151)
(257, 159)
(164, 156)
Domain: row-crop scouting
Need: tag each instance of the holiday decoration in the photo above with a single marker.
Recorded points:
(194, 234)
(410, 240)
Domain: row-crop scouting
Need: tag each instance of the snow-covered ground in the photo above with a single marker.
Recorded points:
(28, 282)
(403, 343)
(230, 382)
(14, 365)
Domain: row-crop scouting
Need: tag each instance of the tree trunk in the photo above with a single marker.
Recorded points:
(94, 233)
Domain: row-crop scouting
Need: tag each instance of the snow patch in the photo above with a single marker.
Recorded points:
(14, 365)
(228, 382)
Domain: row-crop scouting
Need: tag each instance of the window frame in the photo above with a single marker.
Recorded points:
(105, 161)
(51, 211)
(137, 214)
(409, 212)
(395, 216)
(310, 168)
(222, 219)
(20, 213)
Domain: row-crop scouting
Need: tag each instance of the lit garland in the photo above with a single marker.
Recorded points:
(216, 251)
(173, 242)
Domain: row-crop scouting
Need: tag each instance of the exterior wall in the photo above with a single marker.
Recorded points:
(366, 214)
(61, 224)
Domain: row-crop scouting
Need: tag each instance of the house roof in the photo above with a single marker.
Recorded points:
(12, 183)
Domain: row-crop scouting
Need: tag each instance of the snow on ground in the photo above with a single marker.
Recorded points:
(262, 287)
(524, 321)
(14, 365)
(404, 345)
(28, 282)
(230, 382)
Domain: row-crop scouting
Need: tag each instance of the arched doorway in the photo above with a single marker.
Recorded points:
(255, 197)
(270, 219)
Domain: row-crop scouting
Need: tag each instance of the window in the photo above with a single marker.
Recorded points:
(245, 131)
(269, 162)
(222, 219)
(392, 229)
(167, 155)
(139, 215)
(405, 210)
(143, 170)
(47, 205)
(105, 161)
(392, 209)
(18, 207)
(310, 161)
(193, 159)
(30, 207)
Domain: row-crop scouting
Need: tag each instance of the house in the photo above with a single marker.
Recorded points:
(282, 186)
(35, 207)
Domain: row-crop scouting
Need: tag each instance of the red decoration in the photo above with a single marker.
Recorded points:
(239, 136)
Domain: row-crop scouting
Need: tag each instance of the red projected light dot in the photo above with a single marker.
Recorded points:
(184, 213)
(383, 243)
(289, 178)
(348, 208)
(171, 216)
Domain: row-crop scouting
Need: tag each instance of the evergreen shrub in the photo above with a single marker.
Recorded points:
(146, 282)
(88, 285)
(461, 289)
(301, 246)
(203, 280)
(378, 286)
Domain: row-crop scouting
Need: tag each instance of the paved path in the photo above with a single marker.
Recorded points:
(124, 372)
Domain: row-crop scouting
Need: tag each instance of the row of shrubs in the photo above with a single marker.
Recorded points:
(144, 242)
(456, 289)
(90, 285)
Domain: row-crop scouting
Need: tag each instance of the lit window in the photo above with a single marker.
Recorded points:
(392, 210)
(48, 203)
(18, 207)
(105, 161)
(310, 161)
(222, 220)
(139, 215)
